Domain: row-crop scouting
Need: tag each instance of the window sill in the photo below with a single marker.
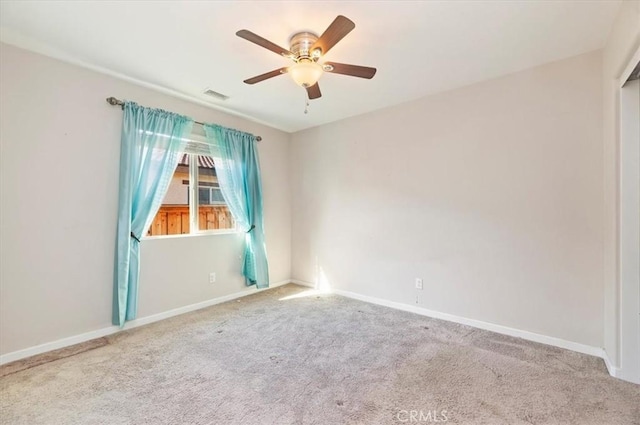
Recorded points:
(192, 235)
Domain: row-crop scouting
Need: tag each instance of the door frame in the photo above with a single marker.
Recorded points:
(629, 223)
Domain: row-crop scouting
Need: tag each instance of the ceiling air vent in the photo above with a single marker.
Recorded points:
(215, 94)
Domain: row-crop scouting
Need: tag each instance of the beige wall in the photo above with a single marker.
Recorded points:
(623, 41)
(59, 181)
(491, 193)
(177, 192)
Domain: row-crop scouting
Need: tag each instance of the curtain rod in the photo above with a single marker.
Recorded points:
(113, 101)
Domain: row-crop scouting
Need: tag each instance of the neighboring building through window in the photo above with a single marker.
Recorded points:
(210, 195)
(185, 208)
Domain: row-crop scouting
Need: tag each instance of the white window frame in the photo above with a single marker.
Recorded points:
(196, 145)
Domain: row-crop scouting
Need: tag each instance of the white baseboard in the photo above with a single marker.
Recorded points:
(505, 330)
(303, 283)
(99, 333)
(619, 372)
(613, 371)
(544, 339)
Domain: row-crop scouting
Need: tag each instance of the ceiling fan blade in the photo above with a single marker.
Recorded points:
(263, 42)
(352, 70)
(340, 27)
(266, 76)
(314, 91)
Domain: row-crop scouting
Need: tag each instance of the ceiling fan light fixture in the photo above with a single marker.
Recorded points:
(306, 49)
(306, 73)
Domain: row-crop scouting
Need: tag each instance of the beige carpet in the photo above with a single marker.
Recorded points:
(316, 360)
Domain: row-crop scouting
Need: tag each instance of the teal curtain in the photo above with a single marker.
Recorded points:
(151, 143)
(238, 169)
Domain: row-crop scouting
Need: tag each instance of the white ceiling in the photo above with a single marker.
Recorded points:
(419, 48)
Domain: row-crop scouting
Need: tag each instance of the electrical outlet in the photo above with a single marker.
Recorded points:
(212, 277)
(418, 283)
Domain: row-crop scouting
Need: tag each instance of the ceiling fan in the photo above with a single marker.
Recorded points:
(306, 49)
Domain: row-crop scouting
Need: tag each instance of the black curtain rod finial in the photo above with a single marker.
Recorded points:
(113, 101)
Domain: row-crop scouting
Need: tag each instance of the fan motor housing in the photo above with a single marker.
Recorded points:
(300, 45)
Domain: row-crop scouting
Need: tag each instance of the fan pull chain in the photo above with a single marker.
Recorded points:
(306, 104)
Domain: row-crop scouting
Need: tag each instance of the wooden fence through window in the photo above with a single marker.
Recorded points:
(174, 219)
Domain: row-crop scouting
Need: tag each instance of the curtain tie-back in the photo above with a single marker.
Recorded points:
(253, 226)
(134, 237)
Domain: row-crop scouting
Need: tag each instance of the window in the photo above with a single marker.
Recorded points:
(193, 199)
(210, 195)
